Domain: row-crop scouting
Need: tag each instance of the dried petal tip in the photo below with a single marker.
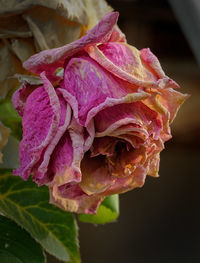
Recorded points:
(50, 60)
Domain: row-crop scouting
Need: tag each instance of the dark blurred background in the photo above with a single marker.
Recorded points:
(159, 223)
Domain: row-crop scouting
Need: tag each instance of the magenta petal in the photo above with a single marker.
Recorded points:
(49, 60)
(65, 118)
(40, 123)
(62, 156)
(88, 88)
(67, 155)
(87, 85)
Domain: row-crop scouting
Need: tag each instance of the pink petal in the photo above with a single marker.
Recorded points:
(67, 155)
(88, 85)
(40, 123)
(49, 60)
(127, 58)
(61, 160)
(124, 62)
(40, 175)
(89, 88)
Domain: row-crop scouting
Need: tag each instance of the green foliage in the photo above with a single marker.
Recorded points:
(107, 212)
(17, 246)
(10, 154)
(10, 118)
(29, 207)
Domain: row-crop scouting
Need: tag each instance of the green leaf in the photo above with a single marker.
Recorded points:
(107, 212)
(30, 79)
(10, 118)
(17, 246)
(10, 154)
(29, 206)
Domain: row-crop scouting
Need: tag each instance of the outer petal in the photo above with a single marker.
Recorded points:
(67, 155)
(29, 83)
(166, 102)
(40, 172)
(154, 157)
(171, 100)
(40, 123)
(49, 60)
(72, 198)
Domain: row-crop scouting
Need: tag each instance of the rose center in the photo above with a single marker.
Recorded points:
(118, 163)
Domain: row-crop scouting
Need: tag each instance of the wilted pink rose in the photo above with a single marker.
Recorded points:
(98, 128)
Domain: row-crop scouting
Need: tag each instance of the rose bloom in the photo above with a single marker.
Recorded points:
(98, 127)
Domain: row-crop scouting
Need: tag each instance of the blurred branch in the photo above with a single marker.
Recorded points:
(188, 14)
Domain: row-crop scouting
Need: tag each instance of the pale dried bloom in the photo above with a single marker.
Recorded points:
(30, 26)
